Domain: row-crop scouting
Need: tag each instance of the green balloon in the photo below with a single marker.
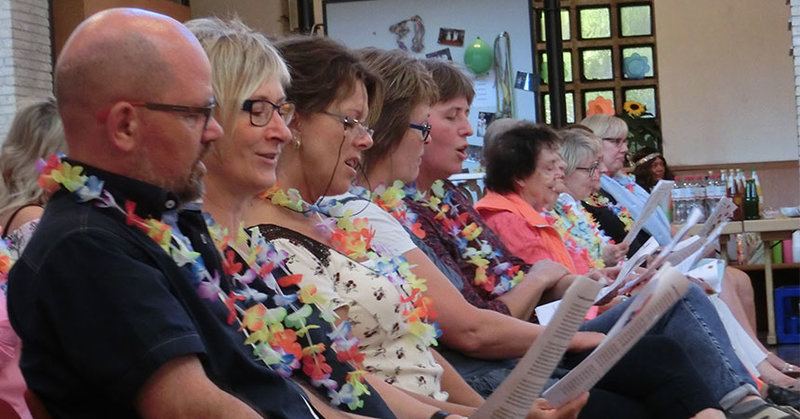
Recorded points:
(478, 57)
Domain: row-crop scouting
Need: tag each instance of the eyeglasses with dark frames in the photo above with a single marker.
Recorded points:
(425, 129)
(191, 110)
(351, 123)
(619, 142)
(260, 114)
(591, 169)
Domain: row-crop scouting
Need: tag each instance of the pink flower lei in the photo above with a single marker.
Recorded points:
(274, 334)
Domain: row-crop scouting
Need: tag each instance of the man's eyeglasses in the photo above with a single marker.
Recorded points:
(619, 142)
(191, 110)
(591, 169)
(261, 111)
(425, 129)
(354, 126)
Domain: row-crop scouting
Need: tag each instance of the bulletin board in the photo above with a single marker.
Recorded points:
(365, 23)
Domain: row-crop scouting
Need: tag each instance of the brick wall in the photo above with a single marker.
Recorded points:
(25, 56)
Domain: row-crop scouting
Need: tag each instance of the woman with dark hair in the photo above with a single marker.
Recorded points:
(524, 176)
(649, 166)
(343, 276)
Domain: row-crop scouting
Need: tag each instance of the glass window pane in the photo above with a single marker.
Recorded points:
(595, 23)
(635, 20)
(543, 76)
(646, 96)
(637, 62)
(546, 106)
(596, 64)
(543, 71)
(601, 101)
(569, 99)
(565, 31)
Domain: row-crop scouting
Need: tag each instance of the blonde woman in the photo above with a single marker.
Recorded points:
(35, 133)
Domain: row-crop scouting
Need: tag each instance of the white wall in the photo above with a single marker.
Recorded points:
(727, 84)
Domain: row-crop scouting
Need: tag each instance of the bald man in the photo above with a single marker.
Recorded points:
(111, 324)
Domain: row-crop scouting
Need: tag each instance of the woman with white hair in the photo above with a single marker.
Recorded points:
(621, 200)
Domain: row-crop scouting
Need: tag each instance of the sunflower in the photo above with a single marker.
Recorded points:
(634, 108)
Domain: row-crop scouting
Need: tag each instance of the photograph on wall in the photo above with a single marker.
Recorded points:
(484, 119)
(443, 54)
(449, 36)
(526, 81)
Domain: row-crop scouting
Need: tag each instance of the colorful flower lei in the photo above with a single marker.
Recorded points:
(352, 237)
(275, 333)
(6, 261)
(599, 200)
(465, 232)
(390, 199)
(272, 332)
(580, 234)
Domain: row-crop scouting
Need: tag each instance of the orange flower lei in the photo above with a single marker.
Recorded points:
(352, 237)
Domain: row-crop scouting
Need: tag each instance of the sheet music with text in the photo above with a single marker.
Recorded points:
(514, 397)
(722, 211)
(638, 258)
(661, 191)
(657, 297)
(691, 220)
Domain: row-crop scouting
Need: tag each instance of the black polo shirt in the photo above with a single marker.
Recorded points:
(100, 307)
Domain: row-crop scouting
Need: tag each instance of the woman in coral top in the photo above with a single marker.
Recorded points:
(524, 176)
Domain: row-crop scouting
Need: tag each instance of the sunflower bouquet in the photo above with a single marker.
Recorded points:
(643, 129)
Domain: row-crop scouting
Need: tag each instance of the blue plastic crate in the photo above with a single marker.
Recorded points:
(787, 314)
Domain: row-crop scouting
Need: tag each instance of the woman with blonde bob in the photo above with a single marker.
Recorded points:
(249, 78)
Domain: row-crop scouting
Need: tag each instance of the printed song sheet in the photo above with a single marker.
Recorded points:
(694, 216)
(722, 211)
(515, 396)
(661, 191)
(648, 248)
(711, 243)
(660, 293)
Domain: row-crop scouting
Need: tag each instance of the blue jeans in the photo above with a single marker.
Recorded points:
(694, 324)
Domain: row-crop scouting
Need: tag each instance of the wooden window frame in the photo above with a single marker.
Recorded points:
(578, 85)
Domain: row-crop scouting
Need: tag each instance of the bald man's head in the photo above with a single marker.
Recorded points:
(114, 54)
(115, 62)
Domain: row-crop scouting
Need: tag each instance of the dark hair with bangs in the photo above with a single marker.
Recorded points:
(451, 81)
(323, 71)
(513, 154)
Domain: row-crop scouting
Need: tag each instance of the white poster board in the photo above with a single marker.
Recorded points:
(365, 23)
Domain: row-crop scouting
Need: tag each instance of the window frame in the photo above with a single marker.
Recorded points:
(616, 43)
